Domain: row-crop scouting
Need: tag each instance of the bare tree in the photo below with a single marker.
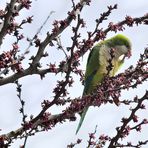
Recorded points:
(108, 92)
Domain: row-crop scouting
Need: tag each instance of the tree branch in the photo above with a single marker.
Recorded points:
(120, 132)
(7, 17)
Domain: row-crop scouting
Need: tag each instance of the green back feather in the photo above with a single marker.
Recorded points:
(93, 59)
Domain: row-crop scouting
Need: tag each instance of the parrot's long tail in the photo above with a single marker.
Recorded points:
(81, 119)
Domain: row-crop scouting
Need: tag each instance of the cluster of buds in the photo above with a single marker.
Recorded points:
(25, 3)
(129, 20)
(8, 59)
(72, 145)
(105, 15)
(115, 27)
(59, 89)
(2, 13)
(27, 126)
(102, 140)
(12, 27)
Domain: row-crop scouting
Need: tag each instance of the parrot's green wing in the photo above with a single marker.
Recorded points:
(91, 70)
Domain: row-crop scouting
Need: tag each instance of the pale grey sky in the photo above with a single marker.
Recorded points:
(35, 90)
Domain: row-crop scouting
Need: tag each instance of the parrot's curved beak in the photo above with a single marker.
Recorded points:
(129, 54)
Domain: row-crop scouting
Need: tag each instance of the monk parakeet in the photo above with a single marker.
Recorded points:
(98, 61)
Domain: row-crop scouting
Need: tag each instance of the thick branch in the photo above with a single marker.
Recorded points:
(23, 73)
(7, 20)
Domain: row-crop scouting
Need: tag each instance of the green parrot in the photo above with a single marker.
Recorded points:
(98, 61)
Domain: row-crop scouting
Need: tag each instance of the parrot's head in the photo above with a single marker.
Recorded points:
(122, 46)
